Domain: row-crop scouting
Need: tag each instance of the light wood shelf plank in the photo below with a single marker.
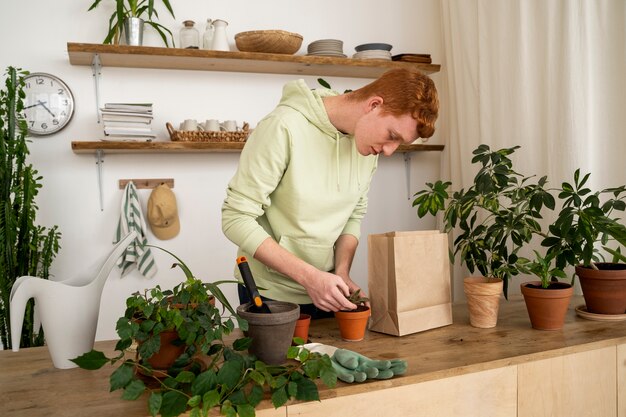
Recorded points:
(193, 147)
(198, 59)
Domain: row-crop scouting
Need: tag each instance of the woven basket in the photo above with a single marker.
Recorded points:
(269, 41)
(211, 136)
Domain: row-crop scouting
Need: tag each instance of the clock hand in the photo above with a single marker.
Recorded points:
(33, 105)
(46, 107)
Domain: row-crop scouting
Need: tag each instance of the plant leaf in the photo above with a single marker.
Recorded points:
(174, 404)
(121, 376)
(133, 390)
(154, 403)
(91, 360)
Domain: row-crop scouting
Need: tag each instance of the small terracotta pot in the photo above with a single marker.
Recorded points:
(168, 352)
(604, 289)
(302, 327)
(352, 324)
(271, 333)
(483, 300)
(547, 307)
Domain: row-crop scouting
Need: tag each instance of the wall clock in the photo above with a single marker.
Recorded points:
(49, 104)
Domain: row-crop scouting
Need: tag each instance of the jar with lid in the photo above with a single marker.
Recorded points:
(189, 35)
(207, 38)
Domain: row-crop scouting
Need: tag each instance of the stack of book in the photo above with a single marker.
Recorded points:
(127, 121)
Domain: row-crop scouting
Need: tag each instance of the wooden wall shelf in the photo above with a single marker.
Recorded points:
(192, 147)
(198, 59)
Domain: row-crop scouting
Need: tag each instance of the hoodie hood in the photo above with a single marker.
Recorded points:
(298, 96)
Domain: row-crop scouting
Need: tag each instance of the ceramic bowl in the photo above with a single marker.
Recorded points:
(371, 46)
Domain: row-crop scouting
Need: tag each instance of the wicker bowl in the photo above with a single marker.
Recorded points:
(269, 41)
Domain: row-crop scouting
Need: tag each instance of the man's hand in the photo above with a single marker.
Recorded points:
(328, 291)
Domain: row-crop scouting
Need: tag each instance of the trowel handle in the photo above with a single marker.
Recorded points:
(248, 281)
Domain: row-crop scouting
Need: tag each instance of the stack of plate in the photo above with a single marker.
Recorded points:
(326, 47)
(373, 51)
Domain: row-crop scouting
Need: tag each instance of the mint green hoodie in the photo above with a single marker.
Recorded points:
(299, 181)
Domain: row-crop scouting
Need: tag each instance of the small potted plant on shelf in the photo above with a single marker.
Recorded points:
(497, 216)
(352, 323)
(585, 225)
(205, 371)
(130, 16)
(547, 300)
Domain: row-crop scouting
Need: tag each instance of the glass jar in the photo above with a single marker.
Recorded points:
(207, 38)
(189, 35)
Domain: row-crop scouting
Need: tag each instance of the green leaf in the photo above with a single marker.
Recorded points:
(257, 377)
(292, 389)
(185, 377)
(194, 401)
(91, 360)
(150, 346)
(245, 410)
(174, 404)
(255, 396)
(279, 396)
(307, 390)
(121, 376)
(204, 382)
(210, 400)
(228, 375)
(323, 83)
(242, 344)
(133, 390)
(123, 328)
(154, 403)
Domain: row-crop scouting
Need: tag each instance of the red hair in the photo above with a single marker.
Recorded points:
(405, 91)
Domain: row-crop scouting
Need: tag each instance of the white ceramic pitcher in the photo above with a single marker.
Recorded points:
(68, 309)
(220, 40)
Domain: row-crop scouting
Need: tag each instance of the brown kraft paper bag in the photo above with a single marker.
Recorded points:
(409, 281)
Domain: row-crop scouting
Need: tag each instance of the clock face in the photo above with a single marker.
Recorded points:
(49, 104)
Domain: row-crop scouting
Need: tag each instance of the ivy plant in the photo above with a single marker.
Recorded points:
(210, 372)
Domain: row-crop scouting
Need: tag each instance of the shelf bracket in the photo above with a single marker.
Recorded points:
(96, 71)
(407, 173)
(99, 162)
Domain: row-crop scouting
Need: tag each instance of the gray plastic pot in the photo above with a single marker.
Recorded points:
(271, 333)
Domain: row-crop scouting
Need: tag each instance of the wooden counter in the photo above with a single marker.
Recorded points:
(464, 359)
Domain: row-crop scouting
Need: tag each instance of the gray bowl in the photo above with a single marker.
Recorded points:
(373, 46)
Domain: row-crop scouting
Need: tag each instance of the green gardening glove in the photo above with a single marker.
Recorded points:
(354, 367)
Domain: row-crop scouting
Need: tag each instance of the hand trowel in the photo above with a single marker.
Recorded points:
(258, 306)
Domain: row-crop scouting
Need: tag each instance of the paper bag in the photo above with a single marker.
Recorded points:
(409, 281)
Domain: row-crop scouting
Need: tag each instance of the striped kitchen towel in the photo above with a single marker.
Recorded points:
(131, 218)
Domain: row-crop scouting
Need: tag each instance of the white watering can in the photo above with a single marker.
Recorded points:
(68, 309)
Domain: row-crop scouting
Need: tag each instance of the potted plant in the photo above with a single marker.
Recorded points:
(207, 372)
(352, 323)
(129, 17)
(27, 248)
(497, 216)
(585, 225)
(547, 300)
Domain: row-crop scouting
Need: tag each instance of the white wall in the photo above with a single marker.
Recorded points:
(36, 33)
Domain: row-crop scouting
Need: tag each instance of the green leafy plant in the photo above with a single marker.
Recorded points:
(497, 215)
(26, 248)
(357, 299)
(143, 9)
(542, 268)
(585, 224)
(209, 372)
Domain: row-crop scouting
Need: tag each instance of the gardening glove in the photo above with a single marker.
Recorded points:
(354, 367)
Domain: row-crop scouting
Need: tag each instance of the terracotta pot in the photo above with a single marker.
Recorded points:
(547, 307)
(604, 289)
(168, 352)
(352, 324)
(483, 300)
(271, 333)
(302, 327)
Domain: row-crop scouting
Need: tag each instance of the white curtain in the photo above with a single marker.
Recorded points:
(549, 75)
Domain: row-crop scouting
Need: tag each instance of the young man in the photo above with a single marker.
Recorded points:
(295, 204)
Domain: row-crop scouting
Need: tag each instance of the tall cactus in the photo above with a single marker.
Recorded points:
(25, 248)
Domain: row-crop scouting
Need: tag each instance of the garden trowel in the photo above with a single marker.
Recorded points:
(258, 306)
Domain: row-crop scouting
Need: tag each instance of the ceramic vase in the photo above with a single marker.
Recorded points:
(271, 333)
(483, 300)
